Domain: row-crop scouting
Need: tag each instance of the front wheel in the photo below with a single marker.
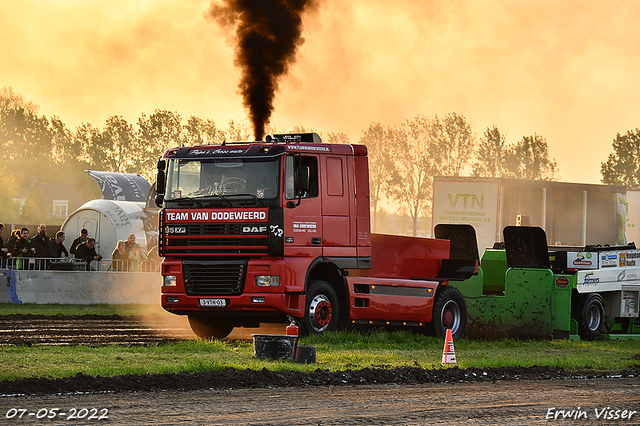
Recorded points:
(208, 328)
(449, 311)
(322, 312)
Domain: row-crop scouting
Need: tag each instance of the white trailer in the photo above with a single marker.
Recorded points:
(571, 214)
(633, 215)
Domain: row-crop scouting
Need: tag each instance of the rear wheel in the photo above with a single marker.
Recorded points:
(322, 312)
(208, 328)
(449, 311)
(592, 316)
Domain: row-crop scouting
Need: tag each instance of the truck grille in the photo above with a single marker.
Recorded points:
(218, 239)
(222, 278)
(214, 229)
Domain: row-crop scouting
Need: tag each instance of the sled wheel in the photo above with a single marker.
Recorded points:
(592, 317)
(209, 328)
(322, 312)
(449, 311)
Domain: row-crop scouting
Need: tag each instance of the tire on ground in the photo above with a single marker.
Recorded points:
(322, 311)
(208, 328)
(449, 311)
(591, 316)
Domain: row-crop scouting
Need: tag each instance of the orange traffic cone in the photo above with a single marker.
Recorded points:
(448, 353)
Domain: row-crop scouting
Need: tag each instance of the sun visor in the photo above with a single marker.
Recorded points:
(121, 186)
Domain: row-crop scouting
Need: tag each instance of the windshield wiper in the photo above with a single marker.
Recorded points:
(188, 200)
(257, 200)
(221, 197)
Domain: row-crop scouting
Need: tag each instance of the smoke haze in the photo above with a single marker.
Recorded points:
(565, 70)
(268, 34)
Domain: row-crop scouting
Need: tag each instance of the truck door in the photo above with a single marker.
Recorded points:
(336, 214)
(303, 221)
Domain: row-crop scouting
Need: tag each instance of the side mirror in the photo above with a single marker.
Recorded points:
(160, 178)
(160, 183)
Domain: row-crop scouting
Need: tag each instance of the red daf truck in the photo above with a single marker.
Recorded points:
(259, 232)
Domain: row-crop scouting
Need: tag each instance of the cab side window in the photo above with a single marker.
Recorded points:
(292, 166)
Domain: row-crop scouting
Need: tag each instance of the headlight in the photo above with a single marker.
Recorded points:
(170, 280)
(267, 280)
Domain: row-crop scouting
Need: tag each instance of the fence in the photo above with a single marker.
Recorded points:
(61, 264)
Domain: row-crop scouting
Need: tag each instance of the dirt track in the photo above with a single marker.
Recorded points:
(96, 330)
(510, 403)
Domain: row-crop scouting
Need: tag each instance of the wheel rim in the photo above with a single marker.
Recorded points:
(320, 312)
(594, 318)
(451, 316)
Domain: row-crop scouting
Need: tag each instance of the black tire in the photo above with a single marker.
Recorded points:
(207, 328)
(591, 319)
(322, 310)
(449, 311)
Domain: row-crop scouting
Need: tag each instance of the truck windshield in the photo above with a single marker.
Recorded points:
(208, 178)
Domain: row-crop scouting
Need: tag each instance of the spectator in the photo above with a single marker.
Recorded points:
(4, 251)
(139, 256)
(134, 252)
(41, 242)
(84, 236)
(87, 252)
(130, 244)
(13, 239)
(56, 246)
(23, 248)
(120, 258)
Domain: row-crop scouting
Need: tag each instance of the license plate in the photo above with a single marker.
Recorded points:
(213, 303)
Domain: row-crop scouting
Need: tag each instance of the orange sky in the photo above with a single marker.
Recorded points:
(566, 70)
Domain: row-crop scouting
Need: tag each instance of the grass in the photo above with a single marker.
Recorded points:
(335, 352)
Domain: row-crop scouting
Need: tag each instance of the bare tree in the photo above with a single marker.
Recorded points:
(12, 100)
(378, 141)
(424, 149)
(118, 142)
(414, 163)
(202, 132)
(452, 141)
(161, 130)
(339, 137)
(529, 159)
(623, 165)
(89, 138)
(24, 136)
(64, 147)
(490, 154)
(238, 131)
(8, 193)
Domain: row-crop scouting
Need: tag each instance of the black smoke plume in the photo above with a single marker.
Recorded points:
(268, 33)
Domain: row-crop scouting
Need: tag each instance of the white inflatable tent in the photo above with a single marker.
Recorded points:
(107, 221)
(126, 207)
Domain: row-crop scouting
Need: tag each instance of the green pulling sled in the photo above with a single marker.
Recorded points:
(523, 288)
